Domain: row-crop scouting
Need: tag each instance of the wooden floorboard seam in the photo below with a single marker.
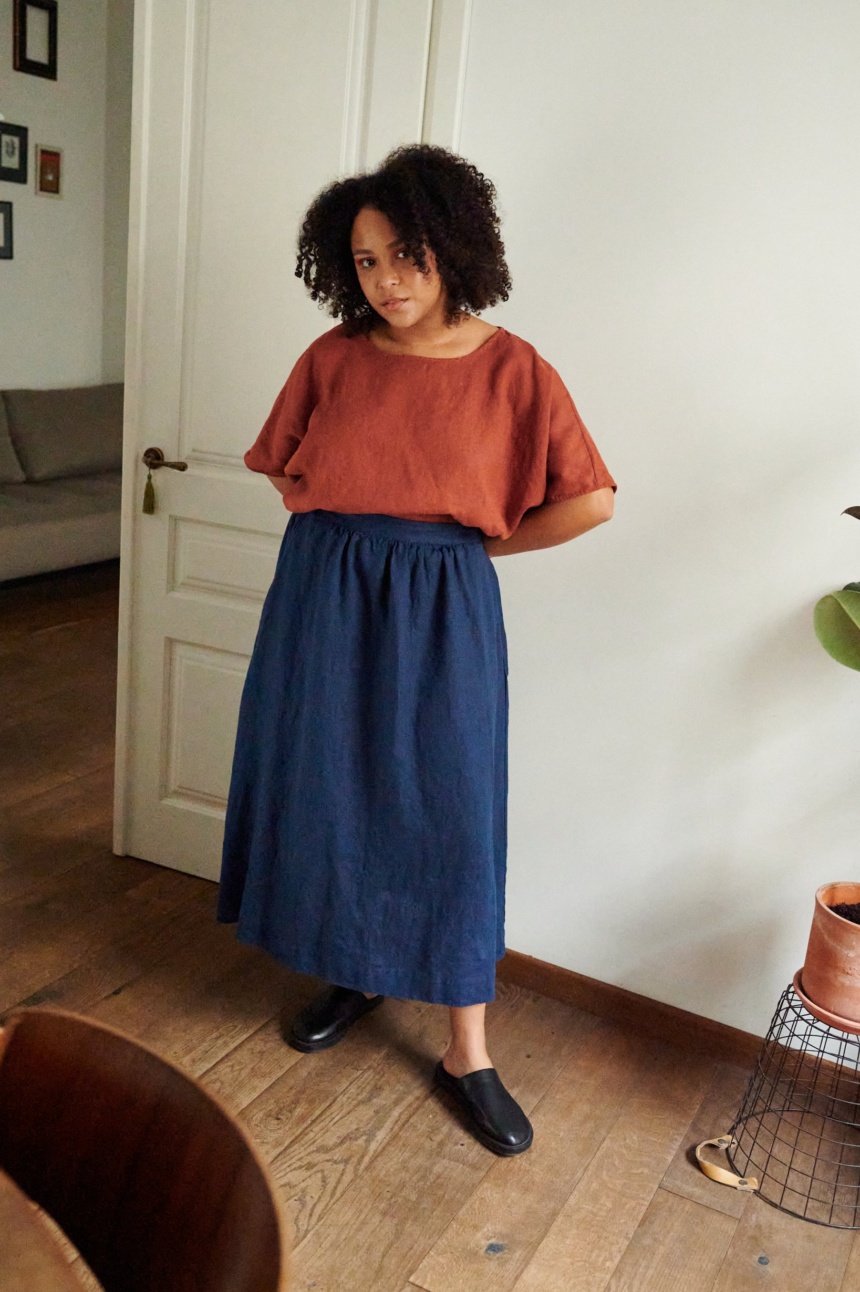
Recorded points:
(679, 1193)
(78, 964)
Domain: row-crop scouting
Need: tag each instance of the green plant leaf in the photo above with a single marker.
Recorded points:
(837, 626)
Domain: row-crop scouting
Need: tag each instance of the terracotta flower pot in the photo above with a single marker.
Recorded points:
(829, 983)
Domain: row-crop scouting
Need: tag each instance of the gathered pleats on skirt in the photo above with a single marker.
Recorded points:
(366, 831)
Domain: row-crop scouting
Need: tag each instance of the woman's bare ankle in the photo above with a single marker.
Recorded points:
(459, 1062)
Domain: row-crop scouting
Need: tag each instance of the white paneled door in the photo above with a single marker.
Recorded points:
(241, 114)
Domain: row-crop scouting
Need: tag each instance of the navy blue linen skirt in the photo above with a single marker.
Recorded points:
(366, 831)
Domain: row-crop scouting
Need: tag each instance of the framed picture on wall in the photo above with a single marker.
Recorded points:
(49, 171)
(35, 38)
(5, 230)
(13, 153)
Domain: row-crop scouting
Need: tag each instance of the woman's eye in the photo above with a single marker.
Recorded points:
(365, 261)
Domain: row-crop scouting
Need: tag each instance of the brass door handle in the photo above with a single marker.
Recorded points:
(154, 458)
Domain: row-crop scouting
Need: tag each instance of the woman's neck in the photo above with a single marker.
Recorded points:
(450, 341)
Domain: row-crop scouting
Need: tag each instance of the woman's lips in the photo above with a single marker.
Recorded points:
(395, 303)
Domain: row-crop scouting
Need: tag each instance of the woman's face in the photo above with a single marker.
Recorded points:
(390, 279)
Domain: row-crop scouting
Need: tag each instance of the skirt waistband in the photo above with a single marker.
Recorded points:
(397, 528)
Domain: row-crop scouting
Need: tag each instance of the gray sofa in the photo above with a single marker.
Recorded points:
(60, 478)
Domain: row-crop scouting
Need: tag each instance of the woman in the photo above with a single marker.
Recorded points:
(366, 827)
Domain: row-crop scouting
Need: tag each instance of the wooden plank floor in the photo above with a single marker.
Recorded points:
(384, 1188)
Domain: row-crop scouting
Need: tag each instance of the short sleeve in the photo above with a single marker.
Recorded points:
(286, 424)
(573, 467)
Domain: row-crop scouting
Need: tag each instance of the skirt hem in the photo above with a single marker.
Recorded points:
(384, 982)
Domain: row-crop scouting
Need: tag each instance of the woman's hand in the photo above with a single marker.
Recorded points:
(554, 523)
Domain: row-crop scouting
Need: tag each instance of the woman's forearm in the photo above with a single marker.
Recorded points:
(283, 484)
(554, 523)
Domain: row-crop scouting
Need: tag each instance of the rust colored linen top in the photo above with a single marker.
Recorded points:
(477, 439)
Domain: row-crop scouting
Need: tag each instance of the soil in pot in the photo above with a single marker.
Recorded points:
(848, 911)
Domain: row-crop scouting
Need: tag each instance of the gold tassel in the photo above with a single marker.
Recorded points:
(148, 495)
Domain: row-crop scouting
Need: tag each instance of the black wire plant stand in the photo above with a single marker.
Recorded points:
(796, 1139)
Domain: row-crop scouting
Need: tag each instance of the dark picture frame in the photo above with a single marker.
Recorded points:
(49, 171)
(24, 35)
(13, 153)
(6, 231)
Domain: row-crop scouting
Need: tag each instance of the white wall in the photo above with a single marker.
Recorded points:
(681, 192)
(53, 296)
(118, 69)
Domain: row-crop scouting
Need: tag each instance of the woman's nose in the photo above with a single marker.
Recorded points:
(388, 276)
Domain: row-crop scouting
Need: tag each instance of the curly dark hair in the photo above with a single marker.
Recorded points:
(433, 198)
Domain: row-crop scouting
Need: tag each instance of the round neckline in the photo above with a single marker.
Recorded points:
(441, 358)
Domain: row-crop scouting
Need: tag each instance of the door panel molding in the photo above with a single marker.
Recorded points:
(202, 680)
(446, 73)
(353, 144)
(220, 560)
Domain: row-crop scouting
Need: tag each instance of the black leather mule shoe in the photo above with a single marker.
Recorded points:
(328, 1017)
(495, 1117)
